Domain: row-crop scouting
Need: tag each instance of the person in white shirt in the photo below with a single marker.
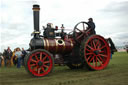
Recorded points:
(19, 55)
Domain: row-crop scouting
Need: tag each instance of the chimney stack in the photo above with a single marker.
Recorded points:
(36, 9)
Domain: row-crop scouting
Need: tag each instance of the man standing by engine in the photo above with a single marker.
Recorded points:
(92, 26)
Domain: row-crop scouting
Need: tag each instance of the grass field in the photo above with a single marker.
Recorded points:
(115, 74)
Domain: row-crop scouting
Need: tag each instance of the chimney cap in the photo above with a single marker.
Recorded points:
(36, 6)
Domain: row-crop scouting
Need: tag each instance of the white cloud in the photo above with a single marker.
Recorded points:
(17, 18)
(19, 41)
(119, 38)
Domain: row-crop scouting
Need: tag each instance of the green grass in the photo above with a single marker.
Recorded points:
(115, 74)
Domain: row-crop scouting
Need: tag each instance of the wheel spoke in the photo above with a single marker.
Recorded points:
(90, 47)
(83, 27)
(38, 70)
(36, 57)
(102, 47)
(98, 44)
(91, 59)
(94, 44)
(88, 58)
(89, 53)
(41, 56)
(103, 55)
(44, 57)
(79, 30)
(43, 69)
(100, 58)
(34, 68)
(99, 61)
(33, 60)
(32, 65)
(89, 50)
(46, 62)
(91, 44)
(80, 36)
(46, 66)
(101, 52)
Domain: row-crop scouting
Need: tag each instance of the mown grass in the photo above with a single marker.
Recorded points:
(115, 74)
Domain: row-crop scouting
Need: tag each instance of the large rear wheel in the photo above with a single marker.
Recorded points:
(96, 52)
(39, 62)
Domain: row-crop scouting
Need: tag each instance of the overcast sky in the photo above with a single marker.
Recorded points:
(16, 18)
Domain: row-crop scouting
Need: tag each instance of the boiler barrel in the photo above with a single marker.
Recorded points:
(58, 45)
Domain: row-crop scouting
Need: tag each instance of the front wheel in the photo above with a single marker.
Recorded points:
(39, 62)
(96, 52)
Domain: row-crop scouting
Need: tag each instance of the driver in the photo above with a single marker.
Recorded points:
(92, 25)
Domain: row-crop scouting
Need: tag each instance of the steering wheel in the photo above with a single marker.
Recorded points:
(80, 34)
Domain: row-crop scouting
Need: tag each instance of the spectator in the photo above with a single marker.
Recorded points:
(2, 61)
(4, 56)
(14, 57)
(1, 57)
(18, 53)
(7, 56)
(23, 55)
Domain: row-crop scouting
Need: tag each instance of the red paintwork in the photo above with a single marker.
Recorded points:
(94, 61)
(53, 46)
(37, 70)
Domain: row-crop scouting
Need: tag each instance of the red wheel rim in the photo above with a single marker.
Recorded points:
(97, 52)
(40, 63)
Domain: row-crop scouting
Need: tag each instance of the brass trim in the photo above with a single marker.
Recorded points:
(47, 44)
(36, 9)
(63, 44)
(36, 32)
(44, 43)
(56, 45)
(60, 43)
(71, 43)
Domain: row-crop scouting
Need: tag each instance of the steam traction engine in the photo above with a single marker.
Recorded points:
(78, 49)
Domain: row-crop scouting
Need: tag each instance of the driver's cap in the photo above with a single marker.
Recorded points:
(91, 19)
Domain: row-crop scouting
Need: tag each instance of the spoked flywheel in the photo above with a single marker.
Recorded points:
(96, 52)
(80, 31)
(39, 62)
